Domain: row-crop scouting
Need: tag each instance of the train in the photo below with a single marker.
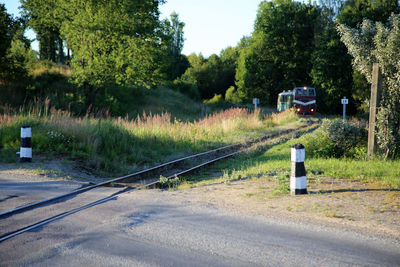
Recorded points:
(301, 99)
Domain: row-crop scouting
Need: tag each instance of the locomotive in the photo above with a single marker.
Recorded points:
(302, 99)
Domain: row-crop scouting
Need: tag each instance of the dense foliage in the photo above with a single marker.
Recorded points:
(379, 43)
(45, 18)
(337, 138)
(279, 54)
(114, 43)
(213, 75)
(111, 51)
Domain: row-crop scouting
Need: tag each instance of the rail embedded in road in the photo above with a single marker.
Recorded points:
(205, 159)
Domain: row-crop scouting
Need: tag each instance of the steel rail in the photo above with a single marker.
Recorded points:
(36, 204)
(32, 205)
(61, 215)
(113, 196)
(103, 200)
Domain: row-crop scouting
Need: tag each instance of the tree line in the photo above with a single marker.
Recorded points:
(91, 53)
(114, 49)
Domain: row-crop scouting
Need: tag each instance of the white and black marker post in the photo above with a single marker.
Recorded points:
(298, 179)
(25, 153)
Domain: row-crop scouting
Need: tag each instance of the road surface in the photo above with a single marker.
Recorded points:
(154, 228)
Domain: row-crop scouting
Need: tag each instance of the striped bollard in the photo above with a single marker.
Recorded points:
(25, 153)
(298, 179)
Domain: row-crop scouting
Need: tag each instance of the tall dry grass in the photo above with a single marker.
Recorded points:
(112, 144)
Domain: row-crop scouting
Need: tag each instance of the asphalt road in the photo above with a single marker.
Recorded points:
(152, 228)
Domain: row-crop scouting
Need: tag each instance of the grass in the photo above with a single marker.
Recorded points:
(163, 100)
(119, 145)
(276, 163)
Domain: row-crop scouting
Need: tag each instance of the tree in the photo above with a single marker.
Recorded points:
(213, 75)
(355, 11)
(113, 42)
(6, 34)
(175, 27)
(279, 54)
(46, 17)
(229, 61)
(199, 75)
(331, 71)
(331, 8)
(174, 37)
(376, 42)
(16, 56)
(352, 14)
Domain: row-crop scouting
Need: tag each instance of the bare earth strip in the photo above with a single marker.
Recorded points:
(345, 204)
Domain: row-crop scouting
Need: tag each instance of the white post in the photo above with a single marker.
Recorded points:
(25, 153)
(256, 101)
(298, 179)
(345, 101)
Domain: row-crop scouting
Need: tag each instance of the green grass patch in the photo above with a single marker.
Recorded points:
(275, 163)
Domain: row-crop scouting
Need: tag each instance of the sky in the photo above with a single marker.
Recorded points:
(210, 25)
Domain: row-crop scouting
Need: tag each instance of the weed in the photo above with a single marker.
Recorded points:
(370, 209)
(249, 194)
(164, 182)
(282, 187)
(169, 183)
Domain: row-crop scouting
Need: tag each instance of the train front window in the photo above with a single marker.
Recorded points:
(311, 92)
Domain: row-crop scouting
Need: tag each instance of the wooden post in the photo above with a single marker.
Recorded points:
(376, 89)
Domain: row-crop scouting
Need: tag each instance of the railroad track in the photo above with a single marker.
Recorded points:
(22, 216)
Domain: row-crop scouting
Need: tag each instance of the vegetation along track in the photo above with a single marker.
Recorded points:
(148, 178)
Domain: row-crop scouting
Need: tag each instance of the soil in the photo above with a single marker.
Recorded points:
(369, 208)
(352, 205)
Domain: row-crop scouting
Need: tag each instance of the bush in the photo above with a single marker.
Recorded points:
(215, 100)
(346, 135)
(337, 139)
(232, 96)
(319, 145)
(169, 183)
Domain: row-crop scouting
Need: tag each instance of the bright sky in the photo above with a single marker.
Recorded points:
(211, 25)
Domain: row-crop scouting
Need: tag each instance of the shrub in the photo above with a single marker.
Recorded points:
(337, 139)
(345, 135)
(319, 145)
(169, 183)
(215, 100)
(232, 95)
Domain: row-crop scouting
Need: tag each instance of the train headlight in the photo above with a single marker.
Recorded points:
(298, 109)
(312, 110)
